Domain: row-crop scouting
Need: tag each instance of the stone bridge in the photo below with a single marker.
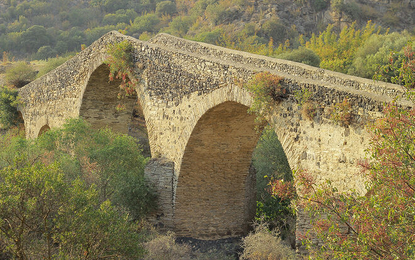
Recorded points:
(200, 135)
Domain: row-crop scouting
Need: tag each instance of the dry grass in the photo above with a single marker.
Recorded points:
(263, 244)
(164, 247)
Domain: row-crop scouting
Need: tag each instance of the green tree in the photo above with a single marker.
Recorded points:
(111, 162)
(8, 107)
(34, 38)
(165, 8)
(56, 194)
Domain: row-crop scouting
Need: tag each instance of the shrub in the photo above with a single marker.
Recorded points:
(274, 29)
(263, 244)
(145, 23)
(302, 55)
(164, 247)
(44, 53)
(319, 5)
(374, 53)
(165, 8)
(265, 88)
(20, 74)
(50, 209)
(8, 107)
(112, 163)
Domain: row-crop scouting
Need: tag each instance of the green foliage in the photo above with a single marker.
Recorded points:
(8, 107)
(274, 29)
(320, 5)
(62, 195)
(302, 55)
(179, 26)
(20, 74)
(35, 37)
(44, 53)
(400, 69)
(121, 64)
(112, 163)
(51, 64)
(375, 52)
(337, 52)
(165, 8)
(270, 162)
(265, 89)
(145, 23)
(120, 16)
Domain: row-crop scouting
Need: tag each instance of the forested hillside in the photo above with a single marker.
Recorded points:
(39, 29)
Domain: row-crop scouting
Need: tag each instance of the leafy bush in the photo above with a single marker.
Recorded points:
(337, 51)
(302, 55)
(400, 69)
(145, 23)
(270, 162)
(374, 53)
(60, 211)
(44, 53)
(112, 163)
(263, 244)
(20, 74)
(165, 8)
(274, 29)
(8, 107)
(265, 89)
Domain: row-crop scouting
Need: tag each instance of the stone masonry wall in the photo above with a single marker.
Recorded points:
(180, 86)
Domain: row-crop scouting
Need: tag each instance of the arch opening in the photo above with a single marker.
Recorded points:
(99, 108)
(215, 194)
(20, 122)
(43, 130)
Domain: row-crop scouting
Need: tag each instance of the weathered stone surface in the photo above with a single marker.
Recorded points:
(200, 136)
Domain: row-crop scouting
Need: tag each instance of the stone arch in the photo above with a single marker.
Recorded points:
(21, 122)
(99, 107)
(43, 130)
(215, 194)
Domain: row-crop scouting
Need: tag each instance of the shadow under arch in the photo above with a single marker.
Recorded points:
(99, 103)
(43, 130)
(20, 122)
(215, 194)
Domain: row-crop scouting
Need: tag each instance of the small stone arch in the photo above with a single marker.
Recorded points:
(99, 107)
(215, 194)
(43, 130)
(20, 122)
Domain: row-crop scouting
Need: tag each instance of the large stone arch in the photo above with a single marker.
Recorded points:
(215, 194)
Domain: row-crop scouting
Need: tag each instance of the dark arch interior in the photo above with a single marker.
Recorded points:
(215, 195)
(99, 108)
(20, 122)
(43, 130)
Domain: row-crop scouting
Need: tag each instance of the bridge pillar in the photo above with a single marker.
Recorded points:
(159, 173)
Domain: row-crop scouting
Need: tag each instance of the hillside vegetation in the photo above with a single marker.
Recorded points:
(40, 29)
